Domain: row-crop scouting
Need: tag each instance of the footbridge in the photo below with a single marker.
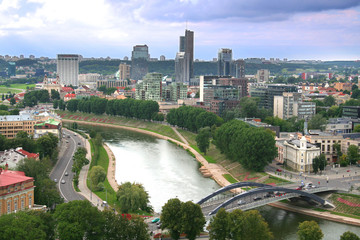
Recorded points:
(261, 195)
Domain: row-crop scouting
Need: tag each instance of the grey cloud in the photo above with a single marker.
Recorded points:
(244, 10)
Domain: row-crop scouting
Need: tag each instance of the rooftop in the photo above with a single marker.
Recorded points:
(8, 177)
(12, 118)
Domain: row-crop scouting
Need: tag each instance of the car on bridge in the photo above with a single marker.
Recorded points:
(241, 202)
(257, 198)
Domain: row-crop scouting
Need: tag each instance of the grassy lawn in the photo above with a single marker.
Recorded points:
(6, 90)
(22, 86)
(207, 157)
(230, 178)
(275, 180)
(103, 161)
(343, 208)
(121, 121)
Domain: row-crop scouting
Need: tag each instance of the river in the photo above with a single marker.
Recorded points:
(167, 171)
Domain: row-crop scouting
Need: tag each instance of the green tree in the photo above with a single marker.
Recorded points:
(337, 148)
(12, 101)
(55, 95)
(79, 220)
(171, 217)
(319, 163)
(220, 226)
(353, 154)
(97, 175)
(14, 111)
(4, 107)
(22, 225)
(203, 139)
(55, 104)
(317, 122)
(309, 230)
(357, 128)
(349, 236)
(72, 105)
(329, 101)
(132, 197)
(248, 107)
(193, 219)
(355, 94)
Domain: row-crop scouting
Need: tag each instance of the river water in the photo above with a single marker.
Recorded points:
(168, 171)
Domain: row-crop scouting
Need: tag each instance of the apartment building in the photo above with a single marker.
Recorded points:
(10, 125)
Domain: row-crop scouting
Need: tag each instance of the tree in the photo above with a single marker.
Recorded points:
(309, 230)
(97, 175)
(329, 101)
(55, 95)
(317, 122)
(248, 107)
(357, 128)
(220, 226)
(193, 219)
(55, 104)
(79, 220)
(349, 236)
(355, 94)
(319, 162)
(132, 197)
(12, 101)
(171, 217)
(353, 154)
(337, 148)
(203, 139)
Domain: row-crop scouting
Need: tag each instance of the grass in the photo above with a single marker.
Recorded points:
(7, 90)
(22, 86)
(208, 158)
(342, 208)
(103, 161)
(230, 178)
(275, 180)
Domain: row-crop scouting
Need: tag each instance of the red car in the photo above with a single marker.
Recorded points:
(278, 170)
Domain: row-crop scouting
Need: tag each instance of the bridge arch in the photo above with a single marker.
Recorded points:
(268, 189)
(232, 186)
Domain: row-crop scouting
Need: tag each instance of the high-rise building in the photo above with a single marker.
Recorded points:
(139, 62)
(239, 68)
(11, 69)
(262, 75)
(150, 88)
(124, 71)
(68, 69)
(184, 61)
(224, 62)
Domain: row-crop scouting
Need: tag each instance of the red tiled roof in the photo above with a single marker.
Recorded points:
(70, 95)
(27, 154)
(67, 89)
(12, 177)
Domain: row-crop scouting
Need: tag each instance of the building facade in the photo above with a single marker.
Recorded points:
(224, 62)
(111, 83)
(262, 75)
(150, 88)
(16, 191)
(239, 66)
(68, 69)
(181, 68)
(139, 62)
(124, 71)
(351, 112)
(10, 125)
(48, 126)
(184, 60)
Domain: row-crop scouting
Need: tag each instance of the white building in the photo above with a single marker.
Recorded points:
(299, 154)
(68, 69)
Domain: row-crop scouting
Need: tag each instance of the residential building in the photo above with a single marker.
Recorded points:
(220, 93)
(224, 62)
(290, 104)
(339, 125)
(111, 83)
(68, 69)
(262, 75)
(351, 111)
(267, 92)
(139, 62)
(150, 88)
(340, 86)
(48, 126)
(299, 154)
(69, 97)
(13, 156)
(10, 125)
(181, 69)
(256, 122)
(174, 91)
(16, 191)
(124, 71)
(305, 110)
(89, 77)
(239, 68)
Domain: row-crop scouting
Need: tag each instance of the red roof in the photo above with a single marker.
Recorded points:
(12, 177)
(70, 95)
(27, 154)
(67, 89)
(21, 94)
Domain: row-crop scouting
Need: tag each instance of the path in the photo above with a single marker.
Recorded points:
(180, 136)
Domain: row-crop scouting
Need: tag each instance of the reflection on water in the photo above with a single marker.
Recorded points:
(167, 171)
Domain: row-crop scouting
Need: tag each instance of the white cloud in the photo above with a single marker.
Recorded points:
(8, 4)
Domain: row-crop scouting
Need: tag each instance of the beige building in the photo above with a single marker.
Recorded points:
(124, 71)
(10, 125)
(262, 75)
(299, 154)
(51, 84)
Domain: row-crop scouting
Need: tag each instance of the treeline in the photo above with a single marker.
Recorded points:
(32, 98)
(192, 118)
(129, 107)
(4, 110)
(72, 221)
(253, 147)
(80, 160)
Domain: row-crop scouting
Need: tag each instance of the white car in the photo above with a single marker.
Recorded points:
(63, 181)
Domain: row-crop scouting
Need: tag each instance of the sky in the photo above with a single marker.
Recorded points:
(293, 29)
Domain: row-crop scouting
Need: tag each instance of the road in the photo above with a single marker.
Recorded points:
(67, 149)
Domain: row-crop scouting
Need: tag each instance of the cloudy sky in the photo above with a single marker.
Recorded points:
(293, 29)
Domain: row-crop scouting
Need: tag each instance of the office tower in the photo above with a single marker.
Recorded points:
(68, 69)
(262, 75)
(184, 61)
(224, 61)
(11, 69)
(124, 71)
(239, 68)
(139, 61)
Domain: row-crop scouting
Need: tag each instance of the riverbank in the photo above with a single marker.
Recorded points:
(217, 174)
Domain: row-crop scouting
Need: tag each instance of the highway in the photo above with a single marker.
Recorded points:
(68, 147)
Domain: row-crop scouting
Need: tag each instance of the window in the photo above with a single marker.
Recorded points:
(22, 203)
(15, 205)
(8, 206)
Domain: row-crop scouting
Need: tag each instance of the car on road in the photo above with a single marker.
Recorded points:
(63, 181)
(279, 163)
(241, 202)
(309, 185)
(66, 174)
(104, 204)
(299, 188)
(278, 170)
(268, 195)
(79, 143)
(358, 165)
(257, 198)
(68, 136)
(55, 180)
(75, 134)
(155, 220)
(67, 141)
(348, 170)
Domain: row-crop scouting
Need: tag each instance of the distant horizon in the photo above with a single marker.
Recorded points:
(296, 29)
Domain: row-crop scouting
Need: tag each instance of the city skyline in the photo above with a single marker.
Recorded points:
(321, 30)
